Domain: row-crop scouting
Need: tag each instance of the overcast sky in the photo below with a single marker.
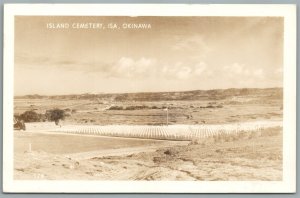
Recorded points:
(176, 54)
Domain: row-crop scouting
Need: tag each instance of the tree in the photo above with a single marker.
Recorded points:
(30, 116)
(55, 115)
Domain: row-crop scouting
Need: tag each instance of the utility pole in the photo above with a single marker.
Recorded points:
(167, 116)
(167, 110)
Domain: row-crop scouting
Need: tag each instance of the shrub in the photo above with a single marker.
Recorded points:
(115, 108)
(210, 106)
(138, 107)
(30, 116)
(130, 108)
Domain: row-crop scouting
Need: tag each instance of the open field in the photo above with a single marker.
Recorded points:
(195, 107)
(61, 143)
(243, 158)
(183, 114)
(233, 134)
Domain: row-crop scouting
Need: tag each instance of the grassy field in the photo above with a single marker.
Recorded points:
(67, 144)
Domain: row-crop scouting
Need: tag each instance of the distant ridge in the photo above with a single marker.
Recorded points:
(214, 94)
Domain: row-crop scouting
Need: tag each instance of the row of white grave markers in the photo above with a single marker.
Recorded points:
(170, 132)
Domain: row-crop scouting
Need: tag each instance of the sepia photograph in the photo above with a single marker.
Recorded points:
(150, 98)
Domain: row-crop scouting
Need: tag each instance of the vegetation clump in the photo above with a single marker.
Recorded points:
(50, 115)
(30, 116)
(55, 115)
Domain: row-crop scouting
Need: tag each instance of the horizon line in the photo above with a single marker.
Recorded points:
(103, 93)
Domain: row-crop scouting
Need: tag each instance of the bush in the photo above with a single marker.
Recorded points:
(139, 107)
(30, 116)
(130, 108)
(210, 106)
(115, 108)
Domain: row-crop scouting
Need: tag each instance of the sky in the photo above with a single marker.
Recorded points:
(175, 54)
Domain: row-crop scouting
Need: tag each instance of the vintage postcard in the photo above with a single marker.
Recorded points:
(149, 98)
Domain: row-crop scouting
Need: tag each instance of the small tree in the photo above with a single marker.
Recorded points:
(55, 115)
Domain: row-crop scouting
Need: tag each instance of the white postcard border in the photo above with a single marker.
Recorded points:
(288, 184)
